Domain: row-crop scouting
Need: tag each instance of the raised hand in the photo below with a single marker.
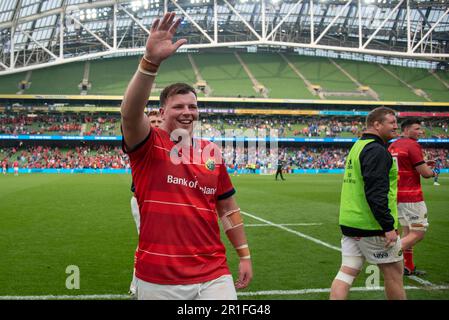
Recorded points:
(160, 44)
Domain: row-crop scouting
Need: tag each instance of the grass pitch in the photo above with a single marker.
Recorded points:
(50, 222)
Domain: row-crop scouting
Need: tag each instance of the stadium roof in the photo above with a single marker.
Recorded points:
(37, 33)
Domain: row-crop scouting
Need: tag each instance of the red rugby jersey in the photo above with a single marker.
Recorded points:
(179, 240)
(409, 155)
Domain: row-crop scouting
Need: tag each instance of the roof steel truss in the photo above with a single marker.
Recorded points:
(89, 30)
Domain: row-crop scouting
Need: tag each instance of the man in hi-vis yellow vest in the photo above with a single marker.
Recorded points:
(368, 209)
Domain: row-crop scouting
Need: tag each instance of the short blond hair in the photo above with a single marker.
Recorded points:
(155, 113)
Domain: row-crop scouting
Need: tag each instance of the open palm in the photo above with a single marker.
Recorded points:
(160, 44)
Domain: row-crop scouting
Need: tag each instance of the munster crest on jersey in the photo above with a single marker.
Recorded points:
(210, 164)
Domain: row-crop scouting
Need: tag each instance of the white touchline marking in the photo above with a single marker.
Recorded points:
(66, 297)
(243, 294)
(324, 290)
(283, 224)
(292, 231)
(419, 280)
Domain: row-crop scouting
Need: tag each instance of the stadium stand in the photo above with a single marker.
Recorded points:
(274, 73)
(178, 70)
(387, 87)
(320, 72)
(10, 84)
(284, 76)
(422, 79)
(67, 77)
(226, 79)
(111, 76)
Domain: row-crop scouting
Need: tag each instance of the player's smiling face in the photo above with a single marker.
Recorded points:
(180, 112)
(414, 131)
(388, 127)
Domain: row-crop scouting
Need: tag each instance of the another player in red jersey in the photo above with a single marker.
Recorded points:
(155, 120)
(412, 210)
(182, 188)
(16, 168)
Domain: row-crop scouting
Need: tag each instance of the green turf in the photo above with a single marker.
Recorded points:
(49, 222)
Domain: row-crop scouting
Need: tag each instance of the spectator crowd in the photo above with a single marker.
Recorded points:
(211, 125)
(107, 157)
(59, 124)
(83, 157)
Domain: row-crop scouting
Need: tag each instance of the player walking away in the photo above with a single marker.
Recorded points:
(412, 210)
(4, 167)
(155, 119)
(236, 169)
(180, 253)
(16, 168)
(279, 170)
(368, 212)
(437, 170)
